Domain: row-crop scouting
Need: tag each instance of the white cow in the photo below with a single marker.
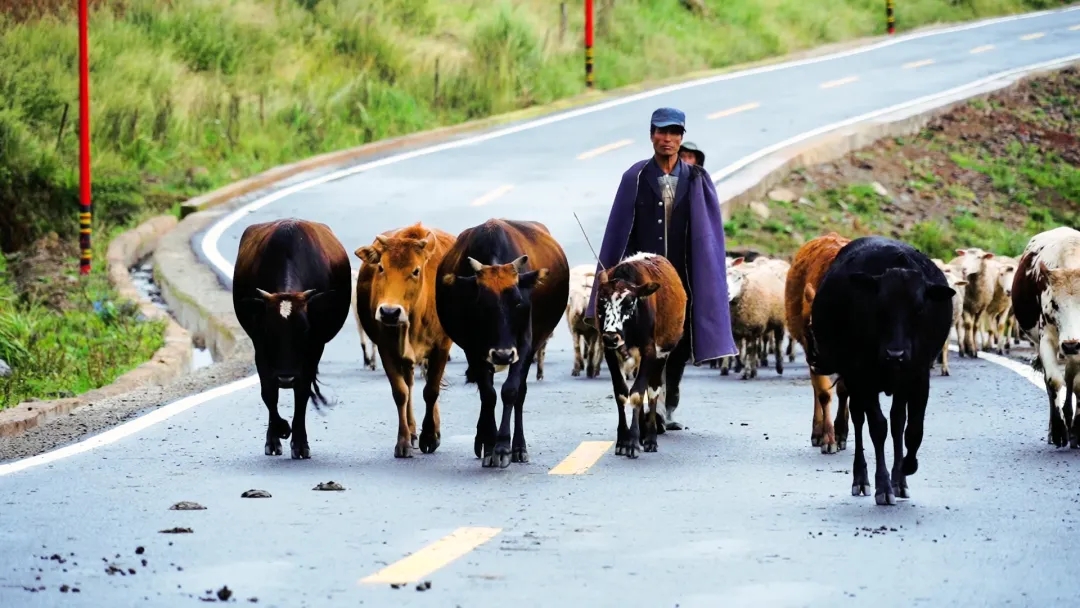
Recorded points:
(1046, 303)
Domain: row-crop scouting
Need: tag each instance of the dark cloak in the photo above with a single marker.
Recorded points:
(710, 313)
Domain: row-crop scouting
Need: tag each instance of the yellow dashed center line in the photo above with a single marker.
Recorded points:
(735, 110)
(1075, 28)
(494, 194)
(432, 557)
(918, 64)
(982, 49)
(583, 457)
(602, 149)
(1032, 36)
(840, 82)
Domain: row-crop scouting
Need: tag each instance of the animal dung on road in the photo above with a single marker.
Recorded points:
(255, 494)
(224, 593)
(177, 530)
(424, 586)
(187, 505)
(329, 486)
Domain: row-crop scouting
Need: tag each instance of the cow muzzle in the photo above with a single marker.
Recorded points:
(896, 357)
(612, 340)
(286, 381)
(390, 315)
(502, 356)
(1070, 348)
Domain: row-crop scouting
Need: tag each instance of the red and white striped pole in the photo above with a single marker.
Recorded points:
(589, 43)
(85, 209)
(890, 21)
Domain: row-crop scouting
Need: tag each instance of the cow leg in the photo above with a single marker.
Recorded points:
(918, 394)
(621, 393)
(431, 431)
(790, 349)
(519, 450)
(944, 356)
(841, 422)
(879, 432)
(673, 373)
(823, 424)
(540, 361)
(1074, 441)
(860, 485)
(1052, 377)
(511, 388)
(898, 417)
(299, 441)
(484, 444)
(277, 428)
(656, 382)
(400, 375)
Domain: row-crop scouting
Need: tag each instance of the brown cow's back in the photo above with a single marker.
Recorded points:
(809, 266)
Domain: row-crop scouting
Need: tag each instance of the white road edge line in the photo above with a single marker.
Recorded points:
(210, 239)
(172, 409)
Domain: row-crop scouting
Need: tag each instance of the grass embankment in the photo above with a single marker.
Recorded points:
(188, 95)
(989, 174)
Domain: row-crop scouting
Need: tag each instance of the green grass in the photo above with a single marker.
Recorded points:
(54, 353)
(191, 94)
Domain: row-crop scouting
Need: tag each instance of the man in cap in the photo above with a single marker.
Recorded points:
(691, 154)
(668, 207)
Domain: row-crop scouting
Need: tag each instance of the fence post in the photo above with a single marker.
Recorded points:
(889, 19)
(85, 208)
(589, 43)
(562, 22)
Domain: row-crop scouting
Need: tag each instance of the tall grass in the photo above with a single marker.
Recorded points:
(190, 94)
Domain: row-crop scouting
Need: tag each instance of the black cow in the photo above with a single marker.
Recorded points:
(502, 290)
(291, 294)
(880, 317)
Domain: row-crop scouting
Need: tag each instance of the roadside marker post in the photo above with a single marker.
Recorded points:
(589, 44)
(85, 209)
(889, 19)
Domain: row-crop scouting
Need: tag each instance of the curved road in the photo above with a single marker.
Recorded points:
(737, 510)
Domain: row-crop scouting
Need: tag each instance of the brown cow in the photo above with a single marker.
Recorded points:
(811, 262)
(500, 312)
(640, 307)
(395, 302)
(291, 295)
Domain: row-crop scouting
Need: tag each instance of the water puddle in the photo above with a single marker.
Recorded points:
(142, 276)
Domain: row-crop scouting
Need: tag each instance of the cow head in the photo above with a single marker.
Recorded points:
(285, 331)
(898, 299)
(971, 261)
(1061, 307)
(617, 302)
(502, 305)
(398, 281)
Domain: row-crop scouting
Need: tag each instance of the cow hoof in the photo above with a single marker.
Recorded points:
(860, 489)
(650, 445)
(911, 465)
(841, 444)
(674, 426)
(632, 450)
(280, 428)
(575, 373)
(885, 497)
(273, 447)
(403, 450)
(478, 447)
(519, 455)
(944, 372)
(502, 454)
(497, 460)
(429, 442)
(815, 440)
(829, 448)
(900, 489)
(300, 452)
(1059, 434)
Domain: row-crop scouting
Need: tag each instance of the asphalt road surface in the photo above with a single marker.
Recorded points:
(736, 510)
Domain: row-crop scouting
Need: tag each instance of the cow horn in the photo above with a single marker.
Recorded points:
(382, 240)
(476, 266)
(264, 295)
(307, 294)
(520, 263)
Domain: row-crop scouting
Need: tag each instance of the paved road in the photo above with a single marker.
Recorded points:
(736, 510)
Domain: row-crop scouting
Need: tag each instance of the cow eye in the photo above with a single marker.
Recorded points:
(416, 271)
(381, 269)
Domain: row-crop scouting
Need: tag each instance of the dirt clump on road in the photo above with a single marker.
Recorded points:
(989, 173)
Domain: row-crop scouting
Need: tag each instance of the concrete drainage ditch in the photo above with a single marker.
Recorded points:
(142, 277)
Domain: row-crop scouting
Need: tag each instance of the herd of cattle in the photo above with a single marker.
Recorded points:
(872, 312)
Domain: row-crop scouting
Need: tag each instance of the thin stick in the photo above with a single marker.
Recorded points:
(588, 242)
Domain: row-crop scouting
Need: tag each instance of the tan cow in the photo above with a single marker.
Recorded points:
(395, 302)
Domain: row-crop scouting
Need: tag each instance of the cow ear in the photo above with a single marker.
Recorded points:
(368, 254)
(646, 290)
(603, 276)
(452, 279)
(864, 281)
(940, 292)
(313, 295)
(808, 294)
(532, 278)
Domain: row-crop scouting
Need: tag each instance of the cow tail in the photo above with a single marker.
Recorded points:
(317, 397)
(470, 375)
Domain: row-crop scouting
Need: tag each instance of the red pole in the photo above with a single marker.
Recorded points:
(588, 43)
(85, 209)
(890, 21)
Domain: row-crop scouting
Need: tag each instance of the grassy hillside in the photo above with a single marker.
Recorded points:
(191, 94)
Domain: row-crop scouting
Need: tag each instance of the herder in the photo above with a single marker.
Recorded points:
(668, 207)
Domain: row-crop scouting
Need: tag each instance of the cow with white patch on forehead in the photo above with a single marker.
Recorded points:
(641, 310)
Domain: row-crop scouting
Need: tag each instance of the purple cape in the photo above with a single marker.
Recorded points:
(710, 312)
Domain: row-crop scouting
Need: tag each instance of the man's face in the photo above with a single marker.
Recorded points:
(667, 140)
(688, 157)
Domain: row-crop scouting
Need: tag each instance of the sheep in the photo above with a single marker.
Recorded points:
(1000, 307)
(588, 350)
(756, 296)
(972, 264)
(954, 277)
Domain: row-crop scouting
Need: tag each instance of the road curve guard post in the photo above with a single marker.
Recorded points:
(85, 210)
(890, 21)
(589, 43)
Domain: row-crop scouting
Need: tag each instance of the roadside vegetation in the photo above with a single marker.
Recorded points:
(188, 95)
(988, 174)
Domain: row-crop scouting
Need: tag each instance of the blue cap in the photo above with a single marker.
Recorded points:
(666, 117)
